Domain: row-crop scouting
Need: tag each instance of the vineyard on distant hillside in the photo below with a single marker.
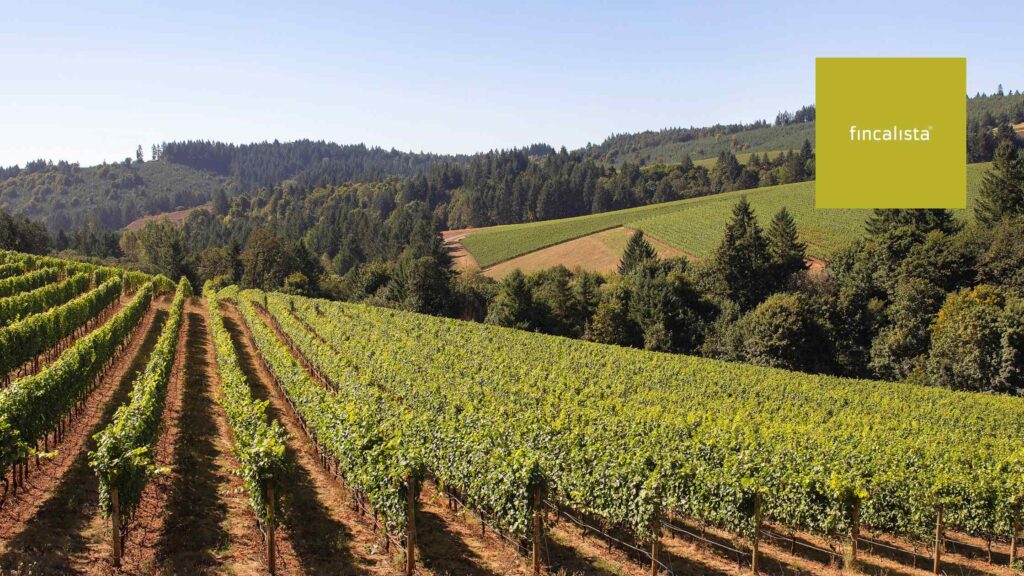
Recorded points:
(695, 225)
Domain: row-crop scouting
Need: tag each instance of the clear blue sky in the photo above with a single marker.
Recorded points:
(89, 81)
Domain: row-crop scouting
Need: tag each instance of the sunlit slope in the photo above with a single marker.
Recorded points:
(694, 226)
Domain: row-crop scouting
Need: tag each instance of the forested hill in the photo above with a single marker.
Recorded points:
(787, 132)
(66, 196)
(307, 162)
(497, 187)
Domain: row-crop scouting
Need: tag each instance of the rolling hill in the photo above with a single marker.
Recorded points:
(693, 226)
(66, 196)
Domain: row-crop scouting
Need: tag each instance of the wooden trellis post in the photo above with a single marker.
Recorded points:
(271, 529)
(538, 527)
(410, 526)
(1014, 536)
(115, 526)
(854, 535)
(936, 568)
(655, 542)
(755, 553)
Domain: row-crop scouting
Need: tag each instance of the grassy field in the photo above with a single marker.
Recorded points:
(694, 226)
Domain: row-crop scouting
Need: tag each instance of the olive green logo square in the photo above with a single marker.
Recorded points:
(891, 133)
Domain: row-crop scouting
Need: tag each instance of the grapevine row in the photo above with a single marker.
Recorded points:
(35, 405)
(34, 335)
(27, 303)
(14, 269)
(627, 435)
(123, 458)
(349, 425)
(259, 442)
(27, 281)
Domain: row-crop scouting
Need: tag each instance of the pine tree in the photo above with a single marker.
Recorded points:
(742, 259)
(637, 251)
(786, 250)
(1002, 190)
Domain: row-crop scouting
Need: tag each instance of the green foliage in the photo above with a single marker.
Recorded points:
(158, 247)
(967, 348)
(123, 458)
(21, 234)
(1002, 191)
(695, 225)
(27, 281)
(1003, 261)
(619, 433)
(34, 405)
(743, 260)
(26, 303)
(785, 249)
(513, 304)
(259, 442)
(68, 196)
(900, 349)
(784, 332)
(350, 423)
(34, 335)
(638, 250)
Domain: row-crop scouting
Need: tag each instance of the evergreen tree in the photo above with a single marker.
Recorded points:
(1002, 190)
(922, 221)
(637, 251)
(513, 305)
(786, 250)
(742, 259)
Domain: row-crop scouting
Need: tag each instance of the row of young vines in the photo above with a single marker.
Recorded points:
(259, 441)
(38, 333)
(630, 436)
(23, 304)
(36, 405)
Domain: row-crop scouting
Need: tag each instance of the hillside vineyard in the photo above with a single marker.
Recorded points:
(632, 437)
(526, 430)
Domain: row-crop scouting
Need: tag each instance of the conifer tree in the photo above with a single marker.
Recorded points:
(742, 259)
(786, 250)
(1002, 190)
(637, 251)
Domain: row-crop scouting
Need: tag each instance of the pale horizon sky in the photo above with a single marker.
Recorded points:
(89, 83)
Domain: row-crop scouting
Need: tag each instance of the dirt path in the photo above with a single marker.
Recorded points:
(320, 533)
(50, 530)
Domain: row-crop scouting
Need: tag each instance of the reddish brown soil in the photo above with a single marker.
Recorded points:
(598, 252)
(50, 529)
(178, 217)
(209, 526)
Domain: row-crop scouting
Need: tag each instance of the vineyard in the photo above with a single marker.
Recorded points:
(694, 225)
(144, 429)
